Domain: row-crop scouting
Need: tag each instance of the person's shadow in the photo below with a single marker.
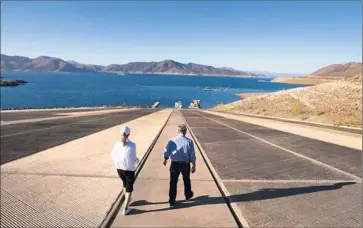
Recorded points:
(261, 194)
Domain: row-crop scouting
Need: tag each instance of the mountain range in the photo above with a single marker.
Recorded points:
(52, 64)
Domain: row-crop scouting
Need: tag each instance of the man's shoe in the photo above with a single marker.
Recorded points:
(126, 211)
(171, 205)
(190, 197)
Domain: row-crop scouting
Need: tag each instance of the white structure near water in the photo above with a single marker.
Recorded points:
(178, 104)
(195, 104)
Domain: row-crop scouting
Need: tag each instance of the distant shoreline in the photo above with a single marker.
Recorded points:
(139, 73)
(308, 81)
(204, 75)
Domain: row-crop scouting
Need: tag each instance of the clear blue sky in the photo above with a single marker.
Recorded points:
(291, 37)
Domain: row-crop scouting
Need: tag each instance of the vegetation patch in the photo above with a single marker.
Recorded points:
(297, 110)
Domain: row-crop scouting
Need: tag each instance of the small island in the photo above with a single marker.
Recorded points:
(12, 82)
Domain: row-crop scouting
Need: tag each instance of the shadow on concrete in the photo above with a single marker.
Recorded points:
(261, 194)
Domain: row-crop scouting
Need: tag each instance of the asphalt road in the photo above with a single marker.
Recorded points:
(277, 178)
(23, 139)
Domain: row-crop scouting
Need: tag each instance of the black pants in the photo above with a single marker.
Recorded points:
(128, 179)
(175, 170)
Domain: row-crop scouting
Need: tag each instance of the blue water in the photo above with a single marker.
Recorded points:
(98, 89)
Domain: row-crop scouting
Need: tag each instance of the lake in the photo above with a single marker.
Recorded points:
(97, 89)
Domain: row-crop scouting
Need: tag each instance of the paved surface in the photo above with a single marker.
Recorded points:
(31, 114)
(150, 197)
(281, 179)
(23, 139)
(341, 138)
(350, 130)
(344, 158)
(73, 184)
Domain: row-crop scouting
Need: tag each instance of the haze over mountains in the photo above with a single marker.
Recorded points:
(51, 64)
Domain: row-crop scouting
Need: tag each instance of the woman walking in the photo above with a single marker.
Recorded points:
(125, 160)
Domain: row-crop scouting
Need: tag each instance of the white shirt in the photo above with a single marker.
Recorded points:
(124, 157)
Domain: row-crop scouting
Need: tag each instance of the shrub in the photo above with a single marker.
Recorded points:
(297, 109)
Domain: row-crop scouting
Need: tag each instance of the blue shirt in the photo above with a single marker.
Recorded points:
(180, 148)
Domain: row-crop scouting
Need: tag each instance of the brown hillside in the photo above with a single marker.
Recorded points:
(351, 69)
(349, 72)
(337, 102)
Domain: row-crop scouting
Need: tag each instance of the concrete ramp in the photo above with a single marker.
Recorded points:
(151, 194)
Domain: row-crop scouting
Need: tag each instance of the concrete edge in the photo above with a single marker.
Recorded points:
(115, 207)
(287, 119)
(236, 212)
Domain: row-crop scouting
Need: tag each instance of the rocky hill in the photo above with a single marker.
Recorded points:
(39, 64)
(87, 67)
(12, 63)
(351, 71)
(339, 71)
(173, 67)
(51, 64)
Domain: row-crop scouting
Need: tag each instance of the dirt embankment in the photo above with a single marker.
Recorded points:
(337, 102)
(302, 80)
(247, 95)
(351, 71)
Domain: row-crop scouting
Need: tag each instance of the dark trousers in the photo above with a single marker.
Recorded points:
(128, 179)
(175, 169)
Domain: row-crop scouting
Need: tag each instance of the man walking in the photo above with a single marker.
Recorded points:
(125, 160)
(181, 151)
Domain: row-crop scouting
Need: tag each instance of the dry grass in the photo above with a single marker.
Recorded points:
(247, 95)
(338, 103)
